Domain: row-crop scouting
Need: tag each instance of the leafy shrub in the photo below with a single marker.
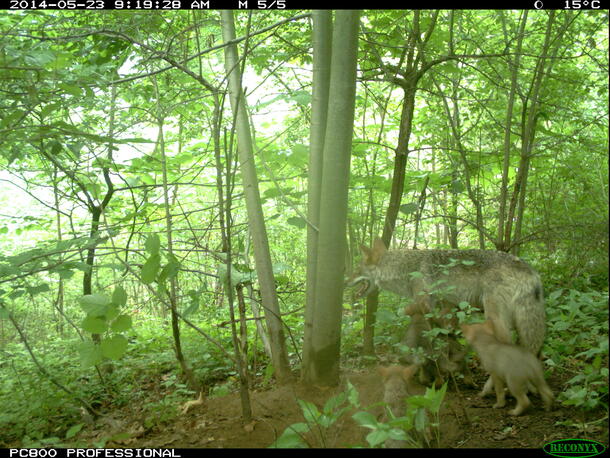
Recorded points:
(578, 343)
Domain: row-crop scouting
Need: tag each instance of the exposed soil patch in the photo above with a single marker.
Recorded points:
(466, 420)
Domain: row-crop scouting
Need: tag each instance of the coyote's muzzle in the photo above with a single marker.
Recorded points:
(365, 285)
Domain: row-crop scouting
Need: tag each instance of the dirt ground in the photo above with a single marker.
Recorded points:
(466, 420)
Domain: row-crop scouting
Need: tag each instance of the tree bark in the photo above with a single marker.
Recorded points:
(322, 364)
(256, 220)
(322, 45)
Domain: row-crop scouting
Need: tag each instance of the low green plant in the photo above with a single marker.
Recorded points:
(313, 430)
(418, 428)
(578, 343)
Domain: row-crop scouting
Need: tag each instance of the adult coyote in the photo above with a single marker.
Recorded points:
(505, 287)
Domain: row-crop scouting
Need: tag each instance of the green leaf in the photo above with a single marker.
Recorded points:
(310, 411)
(64, 274)
(236, 276)
(48, 109)
(33, 290)
(112, 311)
(299, 156)
(150, 269)
(169, 271)
(457, 187)
(152, 244)
(72, 90)
(73, 431)
(420, 420)
(297, 221)
(94, 324)
(352, 395)
(377, 437)
(554, 295)
(121, 324)
(39, 57)
(409, 208)
(333, 403)
(90, 353)
(302, 98)
(397, 434)
(7, 270)
(366, 419)
(147, 179)
(194, 303)
(292, 437)
(94, 304)
(119, 296)
(94, 299)
(114, 347)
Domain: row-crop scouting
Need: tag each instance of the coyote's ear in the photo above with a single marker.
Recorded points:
(409, 372)
(489, 326)
(378, 250)
(367, 254)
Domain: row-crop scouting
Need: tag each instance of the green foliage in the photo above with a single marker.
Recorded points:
(317, 422)
(103, 317)
(418, 428)
(33, 407)
(577, 342)
(161, 411)
(150, 270)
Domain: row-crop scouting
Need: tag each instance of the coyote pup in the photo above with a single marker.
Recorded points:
(505, 287)
(396, 383)
(396, 380)
(453, 354)
(508, 364)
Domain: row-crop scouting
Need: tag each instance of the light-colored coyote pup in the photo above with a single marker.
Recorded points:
(396, 381)
(396, 389)
(508, 364)
(504, 286)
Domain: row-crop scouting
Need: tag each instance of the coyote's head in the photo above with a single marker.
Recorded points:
(366, 275)
(472, 332)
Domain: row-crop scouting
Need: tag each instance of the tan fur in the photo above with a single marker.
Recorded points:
(396, 380)
(396, 389)
(453, 354)
(508, 365)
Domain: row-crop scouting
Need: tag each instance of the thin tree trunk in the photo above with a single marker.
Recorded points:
(225, 220)
(322, 365)
(530, 117)
(173, 300)
(500, 240)
(59, 301)
(256, 220)
(398, 184)
(322, 45)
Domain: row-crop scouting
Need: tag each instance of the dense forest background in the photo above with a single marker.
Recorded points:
(165, 215)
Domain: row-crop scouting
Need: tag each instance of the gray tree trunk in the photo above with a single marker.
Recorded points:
(262, 255)
(322, 41)
(322, 364)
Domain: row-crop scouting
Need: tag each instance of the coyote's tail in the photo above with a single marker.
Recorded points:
(530, 319)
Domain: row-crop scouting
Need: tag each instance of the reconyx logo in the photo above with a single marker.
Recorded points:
(574, 447)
